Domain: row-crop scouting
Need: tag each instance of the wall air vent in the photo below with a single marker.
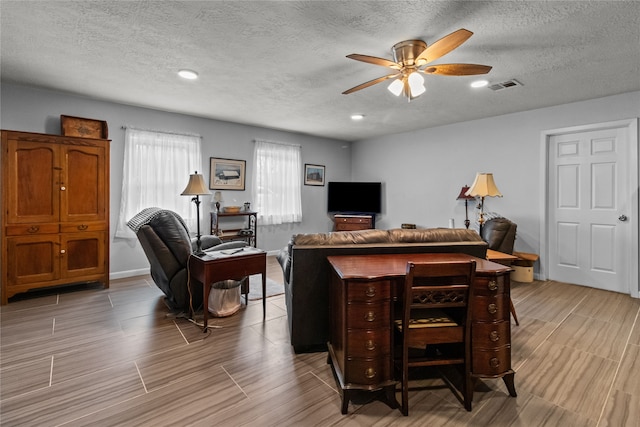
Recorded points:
(505, 85)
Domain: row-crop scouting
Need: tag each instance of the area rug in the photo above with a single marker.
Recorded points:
(255, 287)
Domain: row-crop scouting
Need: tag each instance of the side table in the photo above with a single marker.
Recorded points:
(223, 265)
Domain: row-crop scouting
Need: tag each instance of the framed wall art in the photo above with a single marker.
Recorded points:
(313, 174)
(227, 174)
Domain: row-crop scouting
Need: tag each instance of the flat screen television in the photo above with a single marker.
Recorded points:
(354, 197)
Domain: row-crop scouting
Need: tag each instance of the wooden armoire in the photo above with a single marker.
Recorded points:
(55, 211)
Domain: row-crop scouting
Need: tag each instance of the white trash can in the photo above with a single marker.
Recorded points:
(224, 298)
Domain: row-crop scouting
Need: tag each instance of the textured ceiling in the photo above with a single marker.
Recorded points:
(282, 65)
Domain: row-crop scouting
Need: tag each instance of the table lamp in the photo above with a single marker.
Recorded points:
(196, 187)
(482, 187)
(463, 196)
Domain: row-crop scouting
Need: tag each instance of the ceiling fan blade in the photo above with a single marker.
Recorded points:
(443, 46)
(457, 69)
(370, 83)
(375, 60)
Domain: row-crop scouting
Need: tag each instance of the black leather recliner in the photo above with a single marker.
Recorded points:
(165, 239)
(500, 234)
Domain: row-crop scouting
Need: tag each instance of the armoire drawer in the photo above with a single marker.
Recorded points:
(32, 229)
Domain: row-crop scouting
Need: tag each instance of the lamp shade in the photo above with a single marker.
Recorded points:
(484, 186)
(463, 194)
(196, 186)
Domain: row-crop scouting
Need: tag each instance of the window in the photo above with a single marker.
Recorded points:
(276, 182)
(156, 170)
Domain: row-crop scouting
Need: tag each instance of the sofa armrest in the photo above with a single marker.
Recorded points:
(284, 259)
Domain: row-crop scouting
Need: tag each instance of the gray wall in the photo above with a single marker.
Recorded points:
(36, 110)
(429, 167)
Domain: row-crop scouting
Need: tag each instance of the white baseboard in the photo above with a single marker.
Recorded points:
(129, 273)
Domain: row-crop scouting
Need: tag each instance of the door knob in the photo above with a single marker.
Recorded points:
(622, 217)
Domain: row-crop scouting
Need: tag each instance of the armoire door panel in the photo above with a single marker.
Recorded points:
(33, 174)
(32, 259)
(83, 184)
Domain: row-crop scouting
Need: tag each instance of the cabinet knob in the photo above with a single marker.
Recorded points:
(370, 292)
(493, 285)
(82, 227)
(370, 345)
(494, 336)
(370, 316)
(62, 251)
(494, 362)
(370, 373)
(63, 188)
(492, 308)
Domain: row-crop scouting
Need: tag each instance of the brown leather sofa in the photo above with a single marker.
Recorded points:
(307, 273)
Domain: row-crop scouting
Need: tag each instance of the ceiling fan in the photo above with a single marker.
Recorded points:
(410, 61)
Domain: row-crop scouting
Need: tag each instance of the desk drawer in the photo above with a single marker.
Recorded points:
(369, 291)
(369, 316)
(490, 335)
(490, 309)
(367, 371)
(368, 343)
(489, 286)
(491, 361)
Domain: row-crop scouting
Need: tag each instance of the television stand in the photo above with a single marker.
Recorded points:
(344, 222)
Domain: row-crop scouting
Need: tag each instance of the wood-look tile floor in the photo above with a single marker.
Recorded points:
(100, 357)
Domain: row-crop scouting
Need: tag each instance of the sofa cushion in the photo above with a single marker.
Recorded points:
(427, 235)
(342, 238)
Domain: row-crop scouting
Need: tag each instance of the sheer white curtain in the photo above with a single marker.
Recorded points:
(156, 170)
(276, 182)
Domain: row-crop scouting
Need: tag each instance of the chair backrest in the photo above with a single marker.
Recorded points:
(439, 285)
(500, 234)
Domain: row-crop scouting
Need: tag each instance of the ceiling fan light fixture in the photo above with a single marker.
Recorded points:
(416, 83)
(396, 87)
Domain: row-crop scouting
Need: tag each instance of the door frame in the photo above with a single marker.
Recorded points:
(631, 126)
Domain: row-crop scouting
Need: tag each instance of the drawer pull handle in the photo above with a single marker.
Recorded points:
(370, 345)
(370, 373)
(33, 229)
(492, 308)
(370, 292)
(82, 227)
(494, 362)
(493, 285)
(370, 316)
(494, 336)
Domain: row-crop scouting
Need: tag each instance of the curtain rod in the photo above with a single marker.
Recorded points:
(161, 131)
(277, 142)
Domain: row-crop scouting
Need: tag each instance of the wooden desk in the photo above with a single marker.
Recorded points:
(363, 288)
(216, 266)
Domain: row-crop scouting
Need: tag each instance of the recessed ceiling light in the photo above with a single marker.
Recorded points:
(188, 74)
(479, 83)
(357, 116)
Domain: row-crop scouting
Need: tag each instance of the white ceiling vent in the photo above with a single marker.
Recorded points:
(505, 85)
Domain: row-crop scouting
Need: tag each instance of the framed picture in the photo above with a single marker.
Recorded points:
(227, 174)
(313, 174)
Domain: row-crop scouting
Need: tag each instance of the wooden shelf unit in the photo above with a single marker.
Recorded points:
(230, 234)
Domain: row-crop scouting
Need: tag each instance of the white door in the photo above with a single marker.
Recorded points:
(589, 209)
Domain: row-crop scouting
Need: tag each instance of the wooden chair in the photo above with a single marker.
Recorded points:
(436, 309)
